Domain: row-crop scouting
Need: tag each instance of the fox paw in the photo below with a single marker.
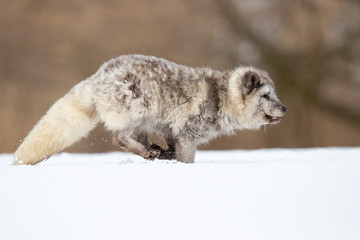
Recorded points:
(168, 153)
(151, 154)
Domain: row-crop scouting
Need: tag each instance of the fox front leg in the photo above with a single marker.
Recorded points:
(185, 149)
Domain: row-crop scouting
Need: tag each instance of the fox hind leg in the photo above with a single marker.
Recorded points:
(138, 143)
(167, 153)
(127, 142)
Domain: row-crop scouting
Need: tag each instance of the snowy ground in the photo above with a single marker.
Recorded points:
(262, 194)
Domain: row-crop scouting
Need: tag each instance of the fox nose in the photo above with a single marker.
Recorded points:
(284, 109)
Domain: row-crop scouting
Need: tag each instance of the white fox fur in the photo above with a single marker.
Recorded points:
(135, 95)
(66, 122)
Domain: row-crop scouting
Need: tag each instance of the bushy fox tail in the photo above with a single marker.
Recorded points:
(66, 122)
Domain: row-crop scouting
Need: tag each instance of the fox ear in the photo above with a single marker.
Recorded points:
(251, 81)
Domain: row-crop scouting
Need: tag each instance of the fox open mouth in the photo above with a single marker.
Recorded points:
(272, 119)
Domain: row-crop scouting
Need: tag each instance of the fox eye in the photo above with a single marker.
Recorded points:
(266, 96)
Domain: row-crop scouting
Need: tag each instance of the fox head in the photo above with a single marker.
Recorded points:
(253, 100)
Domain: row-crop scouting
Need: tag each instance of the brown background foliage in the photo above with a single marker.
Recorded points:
(310, 48)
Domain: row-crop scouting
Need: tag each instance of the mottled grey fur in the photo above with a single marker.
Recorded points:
(136, 95)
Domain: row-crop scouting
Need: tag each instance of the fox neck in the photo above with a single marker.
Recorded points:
(228, 103)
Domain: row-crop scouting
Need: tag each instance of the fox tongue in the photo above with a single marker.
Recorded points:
(274, 118)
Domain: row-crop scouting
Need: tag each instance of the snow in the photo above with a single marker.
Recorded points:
(257, 194)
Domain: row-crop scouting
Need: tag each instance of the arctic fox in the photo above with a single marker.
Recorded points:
(135, 95)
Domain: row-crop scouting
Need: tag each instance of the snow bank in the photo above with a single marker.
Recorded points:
(261, 194)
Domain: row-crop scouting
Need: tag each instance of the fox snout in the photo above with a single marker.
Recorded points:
(277, 111)
(281, 109)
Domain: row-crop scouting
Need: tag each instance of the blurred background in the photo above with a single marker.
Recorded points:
(311, 49)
